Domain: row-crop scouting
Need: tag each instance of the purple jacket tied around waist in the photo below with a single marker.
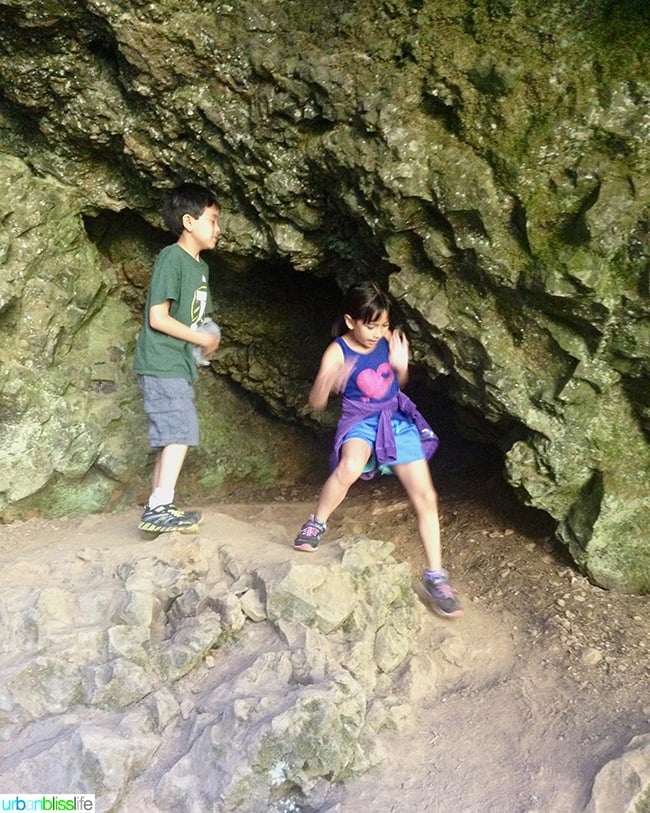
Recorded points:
(385, 450)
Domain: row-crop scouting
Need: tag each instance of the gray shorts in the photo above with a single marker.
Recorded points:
(169, 404)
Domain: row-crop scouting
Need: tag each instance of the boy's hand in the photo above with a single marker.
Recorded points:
(208, 338)
(210, 343)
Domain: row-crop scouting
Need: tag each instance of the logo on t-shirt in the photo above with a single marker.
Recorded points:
(198, 304)
(376, 383)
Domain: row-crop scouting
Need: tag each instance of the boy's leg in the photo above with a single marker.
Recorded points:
(173, 427)
(167, 468)
(160, 514)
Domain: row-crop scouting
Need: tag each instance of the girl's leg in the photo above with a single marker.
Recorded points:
(355, 453)
(417, 482)
(354, 456)
(416, 479)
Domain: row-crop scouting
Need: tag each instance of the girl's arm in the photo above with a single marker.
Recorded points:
(398, 356)
(332, 377)
(160, 319)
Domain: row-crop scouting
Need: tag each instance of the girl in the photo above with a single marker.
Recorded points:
(380, 429)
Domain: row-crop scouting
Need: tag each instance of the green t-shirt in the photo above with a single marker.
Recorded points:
(177, 277)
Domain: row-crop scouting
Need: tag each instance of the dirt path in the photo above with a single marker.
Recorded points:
(562, 665)
(569, 694)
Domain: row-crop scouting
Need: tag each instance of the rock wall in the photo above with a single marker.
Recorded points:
(213, 676)
(487, 161)
(73, 433)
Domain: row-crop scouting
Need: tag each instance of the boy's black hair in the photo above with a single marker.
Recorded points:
(364, 301)
(186, 199)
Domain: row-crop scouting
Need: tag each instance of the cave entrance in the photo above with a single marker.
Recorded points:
(295, 310)
(302, 308)
(469, 464)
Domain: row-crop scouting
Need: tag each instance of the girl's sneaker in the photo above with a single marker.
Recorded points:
(436, 584)
(309, 535)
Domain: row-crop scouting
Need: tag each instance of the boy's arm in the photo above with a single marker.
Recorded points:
(160, 319)
(332, 377)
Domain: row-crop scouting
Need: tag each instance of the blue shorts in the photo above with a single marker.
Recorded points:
(407, 441)
(169, 404)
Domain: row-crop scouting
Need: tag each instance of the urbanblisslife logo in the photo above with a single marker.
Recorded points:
(80, 802)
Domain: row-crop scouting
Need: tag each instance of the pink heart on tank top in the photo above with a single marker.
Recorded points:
(376, 383)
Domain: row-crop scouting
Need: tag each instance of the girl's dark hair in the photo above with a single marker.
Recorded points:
(186, 199)
(364, 301)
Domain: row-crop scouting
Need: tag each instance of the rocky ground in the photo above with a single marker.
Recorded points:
(549, 673)
(570, 684)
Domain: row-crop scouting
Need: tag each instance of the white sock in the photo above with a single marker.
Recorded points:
(161, 496)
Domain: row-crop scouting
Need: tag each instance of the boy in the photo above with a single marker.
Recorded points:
(178, 300)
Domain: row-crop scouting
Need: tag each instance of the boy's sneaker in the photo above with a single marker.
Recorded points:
(436, 584)
(166, 518)
(309, 535)
(195, 516)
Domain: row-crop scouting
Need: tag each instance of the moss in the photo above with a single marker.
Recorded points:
(642, 804)
(241, 445)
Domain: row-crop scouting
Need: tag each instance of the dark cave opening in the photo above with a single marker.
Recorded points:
(470, 457)
(295, 311)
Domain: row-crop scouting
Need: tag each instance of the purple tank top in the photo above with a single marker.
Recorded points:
(372, 380)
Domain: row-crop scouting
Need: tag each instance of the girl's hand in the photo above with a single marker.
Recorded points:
(338, 377)
(329, 381)
(332, 377)
(398, 355)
